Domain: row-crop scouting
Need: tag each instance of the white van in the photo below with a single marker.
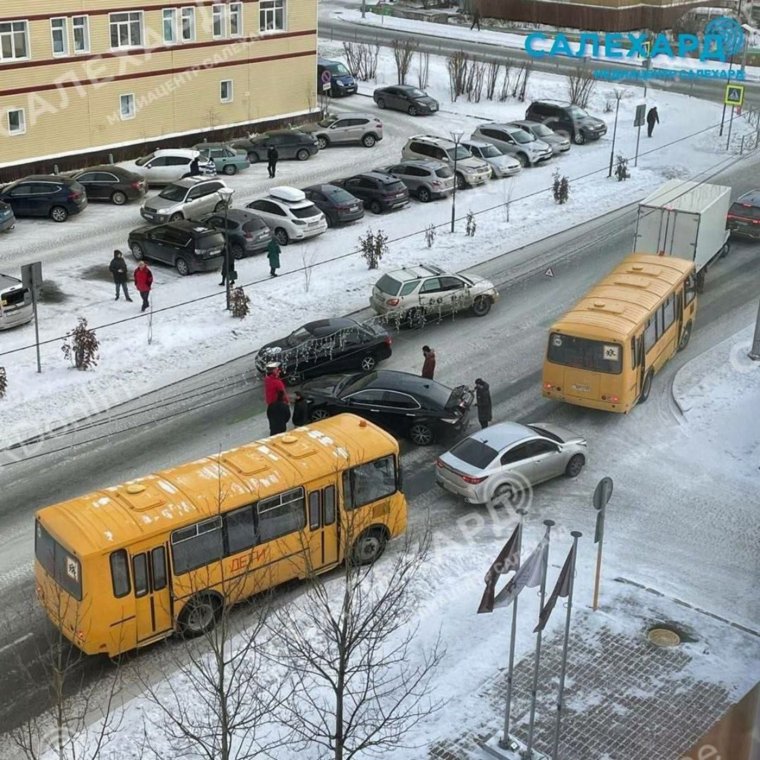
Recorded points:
(15, 303)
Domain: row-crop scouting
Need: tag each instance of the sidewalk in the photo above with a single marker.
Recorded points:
(625, 698)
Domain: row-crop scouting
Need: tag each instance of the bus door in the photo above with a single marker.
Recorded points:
(323, 528)
(153, 603)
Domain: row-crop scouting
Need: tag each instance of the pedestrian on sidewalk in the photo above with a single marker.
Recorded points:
(475, 20)
(652, 118)
(272, 157)
(273, 383)
(483, 400)
(143, 282)
(278, 414)
(226, 269)
(118, 269)
(273, 254)
(300, 410)
(428, 366)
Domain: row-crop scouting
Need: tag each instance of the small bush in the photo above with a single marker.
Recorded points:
(560, 188)
(621, 168)
(373, 246)
(80, 346)
(3, 382)
(240, 304)
(471, 225)
(430, 235)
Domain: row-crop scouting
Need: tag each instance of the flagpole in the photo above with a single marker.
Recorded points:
(504, 743)
(536, 664)
(576, 534)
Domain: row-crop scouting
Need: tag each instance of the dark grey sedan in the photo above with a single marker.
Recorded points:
(337, 204)
(404, 97)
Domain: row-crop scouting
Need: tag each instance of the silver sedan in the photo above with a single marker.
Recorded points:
(504, 459)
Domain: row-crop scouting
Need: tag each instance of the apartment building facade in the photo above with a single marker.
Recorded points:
(79, 76)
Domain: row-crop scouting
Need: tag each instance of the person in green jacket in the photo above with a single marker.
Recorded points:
(273, 254)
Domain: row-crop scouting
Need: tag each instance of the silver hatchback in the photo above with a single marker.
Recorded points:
(425, 179)
(185, 199)
(500, 461)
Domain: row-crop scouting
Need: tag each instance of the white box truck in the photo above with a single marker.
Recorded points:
(686, 220)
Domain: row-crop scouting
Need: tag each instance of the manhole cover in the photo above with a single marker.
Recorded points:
(663, 637)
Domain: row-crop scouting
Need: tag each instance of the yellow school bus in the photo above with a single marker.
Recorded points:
(605, 351)
(123, 567)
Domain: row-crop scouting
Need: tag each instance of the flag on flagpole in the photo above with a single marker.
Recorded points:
(562, 588)
(507, 561)
(529, 574)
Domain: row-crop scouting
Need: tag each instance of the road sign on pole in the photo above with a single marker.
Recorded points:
(326, 80)
(734, 95)
(602, 495)
(638, 122)
(31, 276)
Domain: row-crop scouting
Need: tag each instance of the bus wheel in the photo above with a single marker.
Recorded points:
(199, 615)
(685, 337)
(369, 546)
(646, 388)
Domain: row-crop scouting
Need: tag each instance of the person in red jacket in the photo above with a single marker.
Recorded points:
(428, 366)
(143, 282)
(273, 384)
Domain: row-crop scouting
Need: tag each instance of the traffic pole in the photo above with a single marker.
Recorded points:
(754, 354)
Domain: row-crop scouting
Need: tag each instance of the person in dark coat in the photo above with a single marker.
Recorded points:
(118, 269)
(227, 260)
(483, 400)
(143, 283)
(475, 20)
(300, 410)
(195, 168)
(272, 156)
(428, 366)
(278, 414)
(273, 254)
(652, 118)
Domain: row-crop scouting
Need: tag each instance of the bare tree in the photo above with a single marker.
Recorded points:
(492, 77)
(78, 719)
(356, 687)
(458, 64)
(474, 84)
(362, 59)
(506, 83)
(508, 189)
(403, 52)
(423, 69)
(307, 259)
(580, 86)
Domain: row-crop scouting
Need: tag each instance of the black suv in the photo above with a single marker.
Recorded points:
(744, 215)
(328, 345)
(406, 405)
(378, 191)
(290, 143)
(188, 246)
(45, 195)
(567, 119)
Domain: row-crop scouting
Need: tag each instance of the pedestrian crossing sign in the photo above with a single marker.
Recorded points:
(734, 95)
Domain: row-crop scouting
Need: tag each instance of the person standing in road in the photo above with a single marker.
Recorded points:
(272, 156)
(278, 414)
(475, 20)
(652, 118)
(143, 282)
(428, 366)
(483, 400)
(300, 410)
(273, 384)
(118, 268)
(273, 254)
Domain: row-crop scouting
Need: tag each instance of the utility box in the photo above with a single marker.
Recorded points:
(686, 220)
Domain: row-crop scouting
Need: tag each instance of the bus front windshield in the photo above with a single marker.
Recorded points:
(584, 353)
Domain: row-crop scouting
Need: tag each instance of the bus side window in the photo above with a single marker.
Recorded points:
(240, 530)
(315, 517)
(158, 567)
(370, 482)
(689, 290)
(668, 312)
(328, 505)
(650, 334)
(120, 573)
(140, 570)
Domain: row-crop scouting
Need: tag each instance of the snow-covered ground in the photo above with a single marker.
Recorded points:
(189, 328)
(719, 439)
(514, 40)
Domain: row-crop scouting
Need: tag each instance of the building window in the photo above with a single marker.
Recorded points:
(80, 28)
(126, 29)
(271, 15)
(217, 20)
(14, 40)
(16, 121)
(60, 35)
(127, 106)
(236, 19)
(225, 91)
(170, 25)
(188, 24)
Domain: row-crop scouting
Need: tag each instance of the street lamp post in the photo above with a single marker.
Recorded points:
(618, 95)
(225, 193)
(456, 137)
